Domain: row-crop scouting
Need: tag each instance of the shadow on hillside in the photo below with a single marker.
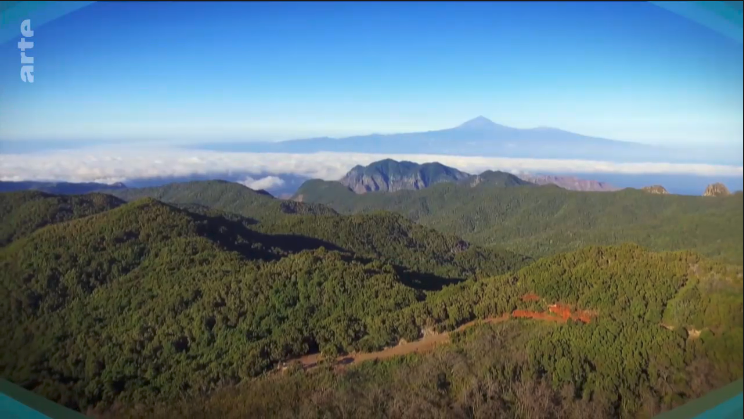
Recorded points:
(424, 281)
(295, 243)
(211, 213)
(232, 233)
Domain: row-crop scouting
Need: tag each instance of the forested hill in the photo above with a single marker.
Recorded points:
(148, 303)
(545, 220)
(142, 276)
(386, 236)
(431, 258)
(23, 212)
(145, 309)
(147, 299)
(495, 178)
(222, 195)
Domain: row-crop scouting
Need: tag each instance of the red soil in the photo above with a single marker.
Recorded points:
(556, 312)
(560, 311)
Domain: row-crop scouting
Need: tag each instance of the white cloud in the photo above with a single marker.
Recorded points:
(121, 164)
(267, 182)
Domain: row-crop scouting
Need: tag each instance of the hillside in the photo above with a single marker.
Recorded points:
(388, 237)
(140, 275)
(662, 328)
(137, 301)
(389, 176)
(495, 178)
(147, 303)
(24, 212)
(431, 258)
(225, 196)
(152, 310)
(548, 220)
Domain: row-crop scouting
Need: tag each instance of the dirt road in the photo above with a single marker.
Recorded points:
(427, 343)
(556, 312)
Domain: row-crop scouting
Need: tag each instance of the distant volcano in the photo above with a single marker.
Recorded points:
(478, 137)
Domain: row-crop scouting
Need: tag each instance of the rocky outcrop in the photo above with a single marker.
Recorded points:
(655, 189)
(390, 176)
(570, 183)
(716, 189)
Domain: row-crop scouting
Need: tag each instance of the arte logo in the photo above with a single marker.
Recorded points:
(27, 69)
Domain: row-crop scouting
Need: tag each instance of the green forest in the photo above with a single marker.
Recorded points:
(24, 212)
(546, 220)
(187, 300)
(221, 195)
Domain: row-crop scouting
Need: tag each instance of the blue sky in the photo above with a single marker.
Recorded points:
(196, 72)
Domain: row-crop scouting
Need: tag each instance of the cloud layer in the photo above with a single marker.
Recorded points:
(110, 165)
(267, 182)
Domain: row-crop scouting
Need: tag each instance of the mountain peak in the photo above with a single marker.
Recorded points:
(387, 161)
(479, 122)
(390, 175)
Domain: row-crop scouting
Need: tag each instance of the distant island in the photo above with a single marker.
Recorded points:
(481, 136)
